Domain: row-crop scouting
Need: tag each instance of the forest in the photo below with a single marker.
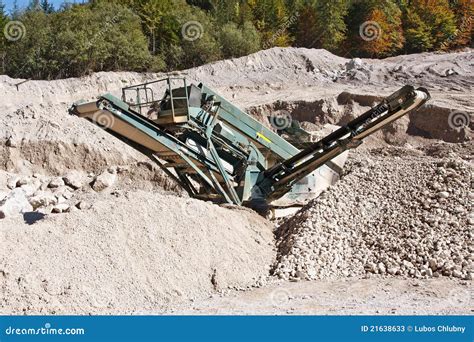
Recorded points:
(76, 39)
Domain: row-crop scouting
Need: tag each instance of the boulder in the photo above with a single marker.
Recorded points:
(74, 179)
(42, 199)
(15, 203)
(104, 180)
(354, 64)
(31, 186)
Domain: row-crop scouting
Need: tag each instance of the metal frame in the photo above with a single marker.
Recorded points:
(139, 104)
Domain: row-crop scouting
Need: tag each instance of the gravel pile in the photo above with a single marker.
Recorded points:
(404, 216)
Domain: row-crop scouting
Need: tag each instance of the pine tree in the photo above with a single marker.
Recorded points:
(331, 28)
(34, 5)
(16, 11)
(305, 32)
(272, 20)
(46, 6)
(3, 16)
(3, 22)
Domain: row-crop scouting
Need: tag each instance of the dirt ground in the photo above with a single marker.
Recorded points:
(116, 236)
(375, 296)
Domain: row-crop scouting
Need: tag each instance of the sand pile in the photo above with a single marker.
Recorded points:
(404, 214)
(131, 251)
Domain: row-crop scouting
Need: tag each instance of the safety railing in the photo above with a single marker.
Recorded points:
(143, 97)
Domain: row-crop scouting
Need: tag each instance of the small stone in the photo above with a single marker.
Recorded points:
(63, 191)
(371, 267)
(13, 183)
(23, 181)
(443, 194)
(10, 142)
(83, 205)
(393, 270)
(457, 274)
(60, 208)
(433, 264)
(56, 182)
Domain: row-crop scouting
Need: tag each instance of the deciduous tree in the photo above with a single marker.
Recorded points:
(429, 25)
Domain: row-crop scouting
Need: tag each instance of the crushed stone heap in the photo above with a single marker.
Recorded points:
(396, 216)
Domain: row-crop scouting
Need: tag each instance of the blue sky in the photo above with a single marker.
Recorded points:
(24, 3)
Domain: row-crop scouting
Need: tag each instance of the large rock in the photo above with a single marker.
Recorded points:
(30, 185)
(104, 180)
(74, 179)
(354, 64)
(42, 199)
(14, 204)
